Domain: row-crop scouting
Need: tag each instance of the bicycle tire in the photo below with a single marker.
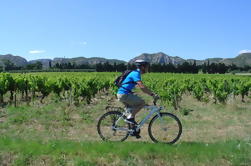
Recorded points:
(154, 133)
(114, 115)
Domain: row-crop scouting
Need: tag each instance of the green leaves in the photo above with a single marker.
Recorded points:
(171, 87)
(77, 87)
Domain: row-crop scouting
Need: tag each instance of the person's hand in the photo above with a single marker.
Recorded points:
(155, 96)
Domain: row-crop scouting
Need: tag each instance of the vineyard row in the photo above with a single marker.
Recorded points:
(84, 86)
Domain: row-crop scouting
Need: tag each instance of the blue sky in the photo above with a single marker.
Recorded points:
(123, 29)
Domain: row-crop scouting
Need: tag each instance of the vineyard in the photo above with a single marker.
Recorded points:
(51, 119)
(82, 87)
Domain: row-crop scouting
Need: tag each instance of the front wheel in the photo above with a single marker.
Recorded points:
(165, 128)
(112, 127)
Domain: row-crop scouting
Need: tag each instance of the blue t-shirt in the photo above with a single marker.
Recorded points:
(134, 76)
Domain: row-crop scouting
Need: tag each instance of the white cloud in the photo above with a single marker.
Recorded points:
(83, 43)
(37, 51)
(244, 51)
(78, 43)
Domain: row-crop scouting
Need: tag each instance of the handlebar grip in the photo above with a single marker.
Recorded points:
(155, 101)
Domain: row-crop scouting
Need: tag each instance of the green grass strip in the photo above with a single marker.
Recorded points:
(233, 151)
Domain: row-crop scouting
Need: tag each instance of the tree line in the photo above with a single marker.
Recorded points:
(7, 65)
(186, 67)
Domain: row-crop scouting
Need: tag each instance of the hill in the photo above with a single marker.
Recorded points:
(160, 58)
(83, 60)
(155, 58)
(241, 60)
(17, 60)
(21, 62)
(45, 62)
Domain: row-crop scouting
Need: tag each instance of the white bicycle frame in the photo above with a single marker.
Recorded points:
(153, 109)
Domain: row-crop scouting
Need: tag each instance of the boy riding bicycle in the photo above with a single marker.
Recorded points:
(128, 98)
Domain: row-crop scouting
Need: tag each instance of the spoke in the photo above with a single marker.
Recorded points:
(112, 128)
(166, 129)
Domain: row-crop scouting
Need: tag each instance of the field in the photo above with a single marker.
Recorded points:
(42, 127)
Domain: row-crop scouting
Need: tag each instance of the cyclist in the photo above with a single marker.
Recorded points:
(128, 98)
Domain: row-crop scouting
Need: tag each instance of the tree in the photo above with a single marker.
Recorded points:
(99, 67)
(221, 68)
(35, 66)
(121, 67)
(8, 65)
(50, 64)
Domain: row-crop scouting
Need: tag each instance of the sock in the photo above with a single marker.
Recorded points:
(129, 116)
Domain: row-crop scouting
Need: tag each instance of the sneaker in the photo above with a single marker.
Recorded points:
(136, 134)
(133, 125)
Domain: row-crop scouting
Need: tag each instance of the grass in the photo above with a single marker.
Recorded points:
(65, 152)
(210, 123)
(55, 133)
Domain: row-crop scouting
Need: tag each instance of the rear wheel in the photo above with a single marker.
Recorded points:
(112, 127)
(165, 128)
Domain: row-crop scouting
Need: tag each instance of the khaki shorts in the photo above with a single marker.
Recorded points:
(131, 100)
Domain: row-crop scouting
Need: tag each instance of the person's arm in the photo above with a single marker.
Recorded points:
(144, 88)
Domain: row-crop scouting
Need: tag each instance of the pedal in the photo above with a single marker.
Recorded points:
(135, 133)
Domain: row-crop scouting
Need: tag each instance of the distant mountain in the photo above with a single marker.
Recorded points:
(159, 58)
(95, 60)
(156, 58)
(17, 60)
(241, 60)
(83, 60)
(211, 60)
(45, 62)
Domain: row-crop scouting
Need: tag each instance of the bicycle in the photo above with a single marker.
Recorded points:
(116, 128)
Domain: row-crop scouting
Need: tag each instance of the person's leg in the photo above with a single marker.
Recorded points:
(137, 109)
(133, 101)
(136, 103)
